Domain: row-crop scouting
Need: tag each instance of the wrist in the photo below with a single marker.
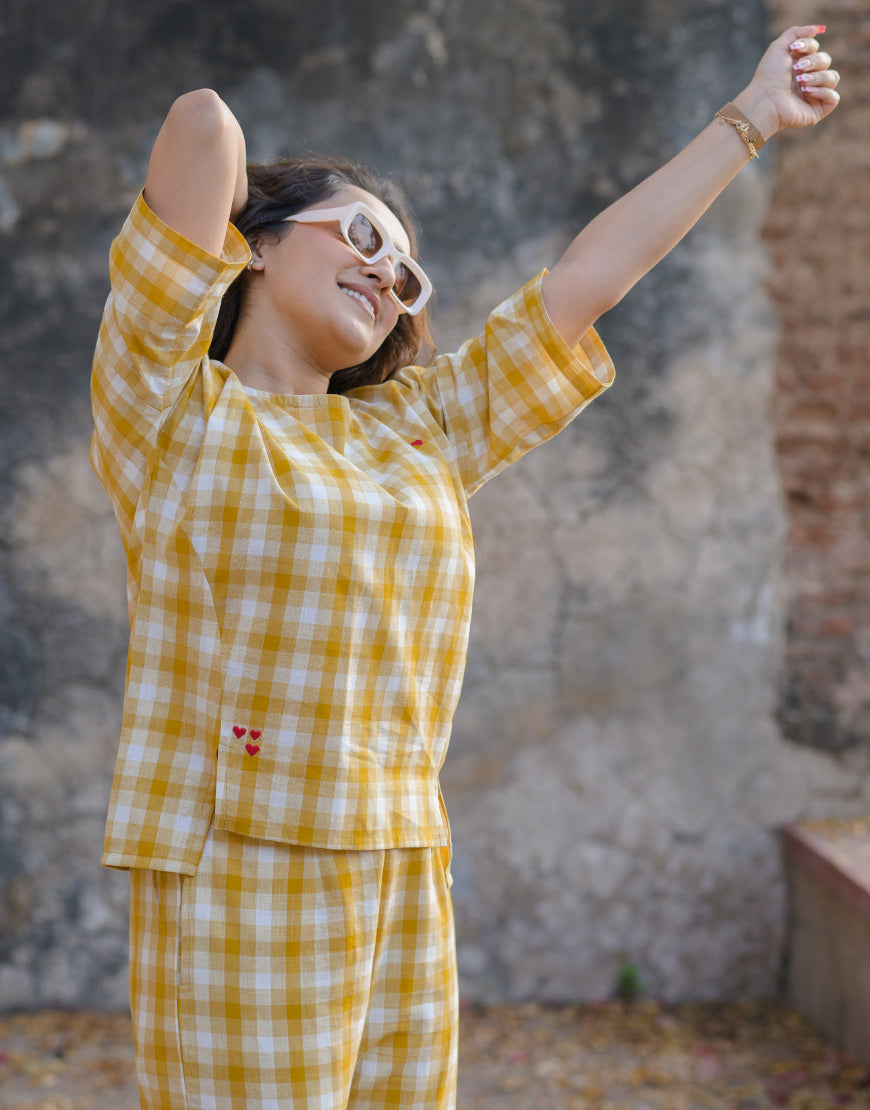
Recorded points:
(757, 107)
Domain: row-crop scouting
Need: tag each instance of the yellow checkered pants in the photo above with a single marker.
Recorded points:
(286, 977)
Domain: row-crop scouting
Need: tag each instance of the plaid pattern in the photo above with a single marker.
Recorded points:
(291, 976)
(299, 567)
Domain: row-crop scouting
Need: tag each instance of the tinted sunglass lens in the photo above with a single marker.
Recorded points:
(364, 236)
(407, 287)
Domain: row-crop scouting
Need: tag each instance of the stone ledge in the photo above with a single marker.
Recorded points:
(829, 928)
(838, 853)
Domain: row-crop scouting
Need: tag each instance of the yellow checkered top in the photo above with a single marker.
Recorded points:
(299, 568)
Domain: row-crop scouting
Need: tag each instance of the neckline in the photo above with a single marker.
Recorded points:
(286, 400)
(294, 400)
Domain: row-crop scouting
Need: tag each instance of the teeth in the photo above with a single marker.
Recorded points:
(359, 297)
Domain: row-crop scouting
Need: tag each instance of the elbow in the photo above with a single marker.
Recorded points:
(607, 301)
(604, 295)
(200, 112)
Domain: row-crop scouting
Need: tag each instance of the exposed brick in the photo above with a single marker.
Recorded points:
(818, 232)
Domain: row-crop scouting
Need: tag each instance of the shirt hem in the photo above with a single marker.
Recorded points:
(353, 841)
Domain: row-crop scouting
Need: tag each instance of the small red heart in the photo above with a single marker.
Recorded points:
(416, 442)
(239, 731)
(252, 749)
(255, 734)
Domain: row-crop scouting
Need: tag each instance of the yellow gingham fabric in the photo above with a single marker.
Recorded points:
(299, 567)
(282, 976)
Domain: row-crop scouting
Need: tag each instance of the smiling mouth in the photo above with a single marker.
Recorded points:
(361, 298)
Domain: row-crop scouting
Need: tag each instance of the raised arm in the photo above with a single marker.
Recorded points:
(196, 178)
(793, 86)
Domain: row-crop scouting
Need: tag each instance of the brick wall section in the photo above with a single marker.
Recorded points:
(818, 231)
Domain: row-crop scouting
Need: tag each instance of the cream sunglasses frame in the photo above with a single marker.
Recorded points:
(345, 216)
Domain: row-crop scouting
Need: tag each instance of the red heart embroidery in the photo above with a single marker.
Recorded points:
(255, 734)
(252, 749)
(239, 731)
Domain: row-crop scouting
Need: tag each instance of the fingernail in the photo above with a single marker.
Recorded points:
(820, 30)
(799, 45)
(804, 63)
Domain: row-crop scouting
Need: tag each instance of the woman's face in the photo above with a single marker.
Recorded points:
(334, 310)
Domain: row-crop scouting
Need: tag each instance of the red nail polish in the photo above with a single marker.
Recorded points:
(820, 30)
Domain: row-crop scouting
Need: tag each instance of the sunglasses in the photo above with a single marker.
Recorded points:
(370, 240)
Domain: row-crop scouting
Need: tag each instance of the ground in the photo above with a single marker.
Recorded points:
(519, 1057)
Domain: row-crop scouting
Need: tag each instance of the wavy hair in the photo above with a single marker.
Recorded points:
(285, 187)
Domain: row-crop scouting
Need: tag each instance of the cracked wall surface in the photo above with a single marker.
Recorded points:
(618, 772)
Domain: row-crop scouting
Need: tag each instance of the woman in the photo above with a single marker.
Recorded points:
(293, 507)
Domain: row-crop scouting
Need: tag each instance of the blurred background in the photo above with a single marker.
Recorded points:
(671, 636)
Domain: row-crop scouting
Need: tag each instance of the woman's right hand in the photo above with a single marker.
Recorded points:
(196, 179)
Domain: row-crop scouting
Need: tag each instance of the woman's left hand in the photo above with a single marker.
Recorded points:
(794, 84)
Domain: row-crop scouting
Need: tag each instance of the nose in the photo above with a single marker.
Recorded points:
(383, 270)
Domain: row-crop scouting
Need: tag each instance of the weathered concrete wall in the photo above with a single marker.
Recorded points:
(617, 772)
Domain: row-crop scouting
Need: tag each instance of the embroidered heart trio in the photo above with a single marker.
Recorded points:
(255, 734)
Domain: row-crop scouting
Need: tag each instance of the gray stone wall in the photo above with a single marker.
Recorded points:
(617, 776)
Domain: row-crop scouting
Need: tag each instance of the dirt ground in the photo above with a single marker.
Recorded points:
(518, 1057)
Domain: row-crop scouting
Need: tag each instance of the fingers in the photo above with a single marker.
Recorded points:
(802, 41)
(804, 46)
(822, 79)
(822, 95)
(813, 74)
(811, 62)
(806, 33)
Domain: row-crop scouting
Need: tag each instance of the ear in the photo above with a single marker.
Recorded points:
(255, 244)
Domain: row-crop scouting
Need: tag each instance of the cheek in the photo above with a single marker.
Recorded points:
(389, 316)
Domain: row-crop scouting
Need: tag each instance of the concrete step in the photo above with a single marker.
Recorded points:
(829, 929)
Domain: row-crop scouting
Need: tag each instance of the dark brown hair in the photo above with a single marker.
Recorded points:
(285, 187)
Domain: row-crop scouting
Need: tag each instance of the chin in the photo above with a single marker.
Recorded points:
(357, 349)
